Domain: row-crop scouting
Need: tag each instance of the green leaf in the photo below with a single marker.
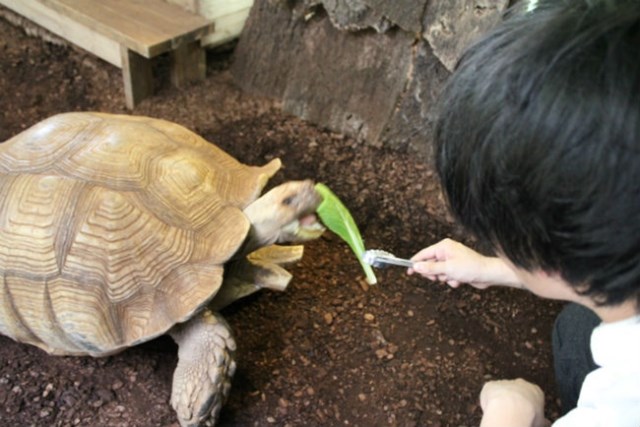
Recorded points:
(337, 218)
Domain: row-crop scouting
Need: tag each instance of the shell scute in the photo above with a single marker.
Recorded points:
(40, 147)
(175, 295)
(124, 245)
(31, 220)
(85, 315)
(118, 154)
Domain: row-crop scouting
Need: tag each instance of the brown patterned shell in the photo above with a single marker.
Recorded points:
(114, 228)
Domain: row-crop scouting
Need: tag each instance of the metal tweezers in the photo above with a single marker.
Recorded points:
(379, 258)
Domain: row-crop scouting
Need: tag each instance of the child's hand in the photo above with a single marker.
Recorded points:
(454, 263)
(512, 402)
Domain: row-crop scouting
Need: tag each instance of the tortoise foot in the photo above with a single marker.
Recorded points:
(202, 379)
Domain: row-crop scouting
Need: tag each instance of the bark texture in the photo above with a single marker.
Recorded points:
(371, 69)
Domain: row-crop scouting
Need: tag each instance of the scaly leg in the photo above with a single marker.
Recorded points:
(202, 379)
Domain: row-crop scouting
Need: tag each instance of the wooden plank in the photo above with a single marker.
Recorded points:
(149, 27)
(137, 76)
(188, 64)
(67, 28)
(190, 5)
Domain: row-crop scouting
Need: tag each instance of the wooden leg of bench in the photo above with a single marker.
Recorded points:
(188, 64)
(137, 75)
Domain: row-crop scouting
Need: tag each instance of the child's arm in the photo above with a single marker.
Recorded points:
(505, 403)
(454, 263)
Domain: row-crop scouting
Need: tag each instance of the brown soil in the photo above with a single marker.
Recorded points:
(330, 350)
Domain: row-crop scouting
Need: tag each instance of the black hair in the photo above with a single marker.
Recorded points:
(538, 143)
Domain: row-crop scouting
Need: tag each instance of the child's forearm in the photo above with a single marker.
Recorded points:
(499, 273)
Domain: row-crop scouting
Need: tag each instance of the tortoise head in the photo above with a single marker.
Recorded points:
(285, 214)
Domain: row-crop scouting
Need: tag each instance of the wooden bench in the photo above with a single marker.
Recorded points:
(127, 33)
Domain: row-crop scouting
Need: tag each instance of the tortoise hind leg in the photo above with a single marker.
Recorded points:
(202, 379)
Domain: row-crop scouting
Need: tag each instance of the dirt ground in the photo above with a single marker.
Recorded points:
(330, 351)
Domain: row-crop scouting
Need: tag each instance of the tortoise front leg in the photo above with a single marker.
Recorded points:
(202, 379)
(260, 269)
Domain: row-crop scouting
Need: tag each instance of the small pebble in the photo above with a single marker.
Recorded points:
(47, 390)
(328, 318)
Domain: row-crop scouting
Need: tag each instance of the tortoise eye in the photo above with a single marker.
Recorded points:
(288, 201)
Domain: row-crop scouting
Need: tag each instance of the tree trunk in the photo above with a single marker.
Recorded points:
(371, 69)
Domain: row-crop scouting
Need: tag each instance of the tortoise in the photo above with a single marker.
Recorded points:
(117, 229)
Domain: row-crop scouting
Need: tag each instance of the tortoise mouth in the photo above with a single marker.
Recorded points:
(309, 222)
(311, 226)
(306, 227)
(309, 219)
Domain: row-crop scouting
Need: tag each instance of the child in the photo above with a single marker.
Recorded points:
(538, 152)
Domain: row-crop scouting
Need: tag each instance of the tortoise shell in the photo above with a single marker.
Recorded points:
(113, 228)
